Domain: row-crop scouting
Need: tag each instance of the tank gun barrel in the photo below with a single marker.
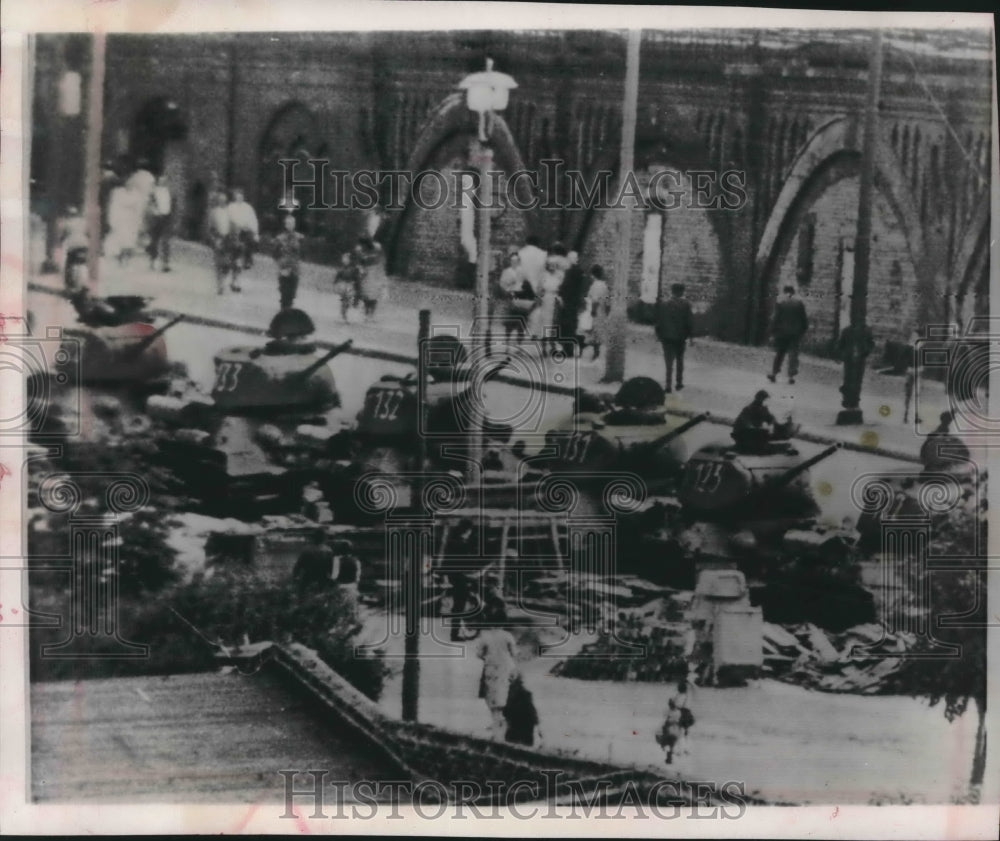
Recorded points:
(676, 432)
(326, 357)
(799, 469)
(138, 348)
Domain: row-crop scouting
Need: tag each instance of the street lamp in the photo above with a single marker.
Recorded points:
(486, 93)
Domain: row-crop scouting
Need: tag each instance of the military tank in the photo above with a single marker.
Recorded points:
(630, 433)
(387, 443)
(948, 471)
(106, 365)
(117, 341)
(263, 434)
(754, 509)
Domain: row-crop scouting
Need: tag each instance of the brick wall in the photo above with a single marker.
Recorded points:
(430, 249)
(832, 201)
(689, 254)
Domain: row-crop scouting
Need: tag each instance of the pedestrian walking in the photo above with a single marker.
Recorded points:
(600, 304)
(368, 256)
(571, 295)
(287, 247)
(347, 285)
(550, 305)
(855, 344)
(222, 241)
(75, 245)
(497, 649)
(789, 326)
(124, 220)
(462, 545)
(245, 229)
(521, 715)
(142, 182)
(519, 301)
(682, 701)
(674, 327)
(533, 259)
(670, 731)
(160, 222)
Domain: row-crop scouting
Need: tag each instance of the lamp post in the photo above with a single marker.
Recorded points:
(856, 342)
(92, 163)
(486, 93)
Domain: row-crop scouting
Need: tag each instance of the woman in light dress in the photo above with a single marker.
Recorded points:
(125, 214)
(497, 649)
(552, 280)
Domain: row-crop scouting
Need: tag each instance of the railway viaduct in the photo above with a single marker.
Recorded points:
(780, 108)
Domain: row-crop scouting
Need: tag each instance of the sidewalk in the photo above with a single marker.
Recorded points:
(720, 378)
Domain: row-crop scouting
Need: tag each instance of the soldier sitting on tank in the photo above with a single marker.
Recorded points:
(756, 431)
(942, 450)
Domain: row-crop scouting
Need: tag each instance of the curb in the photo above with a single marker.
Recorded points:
(547, 388)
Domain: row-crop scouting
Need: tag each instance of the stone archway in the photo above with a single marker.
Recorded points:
(293, 132)
(694, 244)
(425, 243)
(972, 262)
(819, 182)
(159, 143)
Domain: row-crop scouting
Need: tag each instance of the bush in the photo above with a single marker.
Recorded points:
(185, 626)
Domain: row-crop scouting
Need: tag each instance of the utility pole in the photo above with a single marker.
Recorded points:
(414, 569)
(856, 343)
(481, 336)
(92, 163)
(614, 371)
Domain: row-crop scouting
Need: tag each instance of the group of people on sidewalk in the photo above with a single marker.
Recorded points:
(139, 209)
(675, 329)
(547, 295)
(234, 234)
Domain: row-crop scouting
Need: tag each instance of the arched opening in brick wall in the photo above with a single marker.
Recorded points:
(808, 242)
(972, 294)
(676, 245)
(435, 240)
(293, 132)
(439, 236)
(158, 142)
(815, 252)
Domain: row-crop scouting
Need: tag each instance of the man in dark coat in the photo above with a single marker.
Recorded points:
(674, 325)
(571, 293)
(790, 325)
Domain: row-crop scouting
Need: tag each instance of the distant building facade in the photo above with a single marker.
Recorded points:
(783, 110)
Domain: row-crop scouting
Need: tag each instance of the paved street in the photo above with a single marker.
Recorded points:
(721, 378)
